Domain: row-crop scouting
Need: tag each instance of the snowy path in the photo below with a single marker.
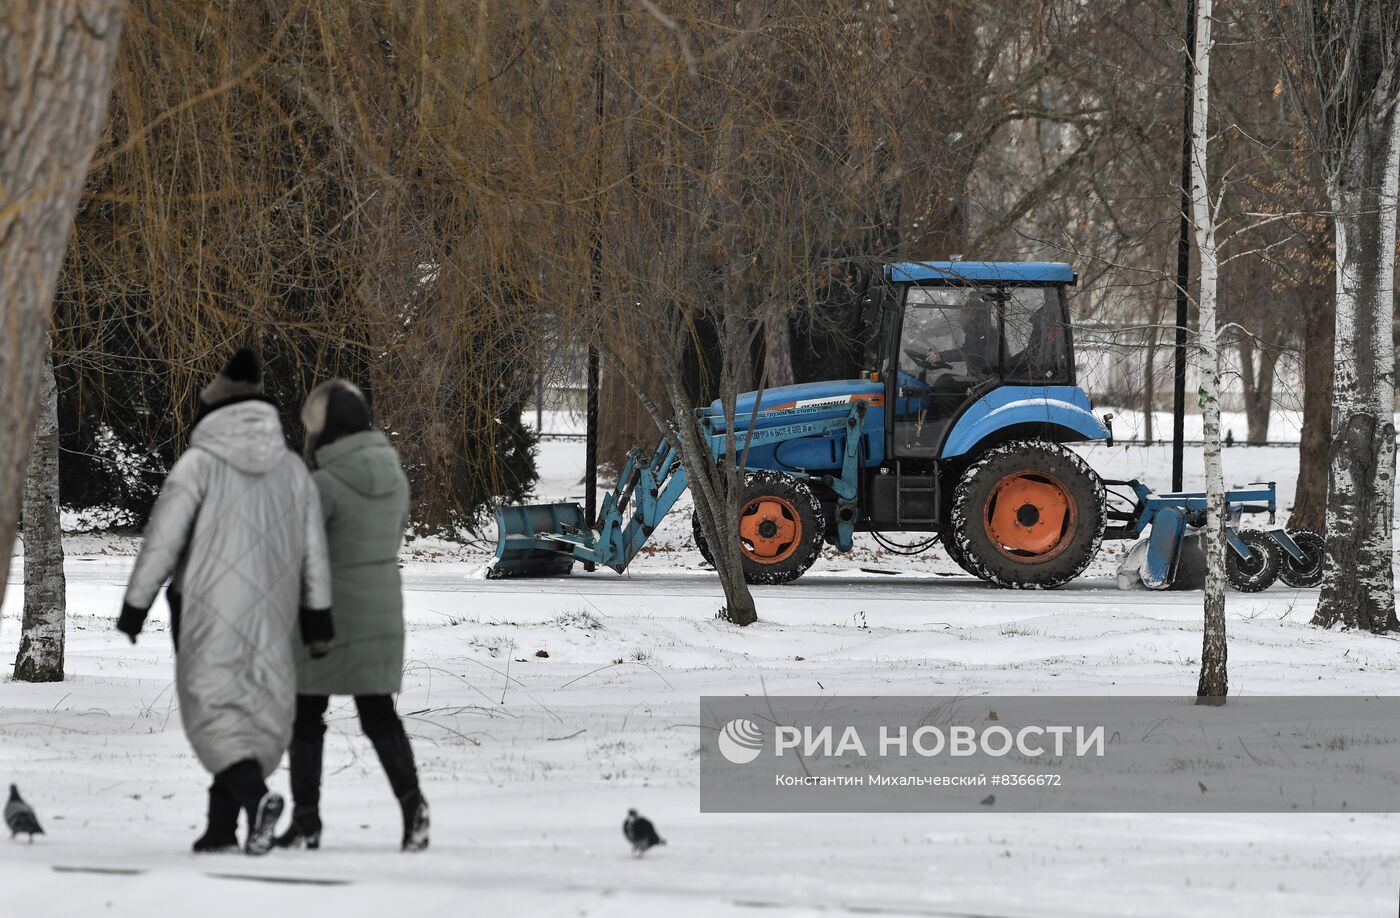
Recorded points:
(530, 762)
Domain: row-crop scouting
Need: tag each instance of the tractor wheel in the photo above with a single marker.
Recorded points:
(1028, 514)
(1260, 569)
(1308, 572)
(950, 545)
(781, 528)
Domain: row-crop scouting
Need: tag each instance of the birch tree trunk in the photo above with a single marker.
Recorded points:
(1355, 61)
(56, 59)
(1214, 682)
(1358, 588)
(40, 657)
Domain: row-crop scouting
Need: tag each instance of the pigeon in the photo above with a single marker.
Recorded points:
(20, 818)
(641, 833)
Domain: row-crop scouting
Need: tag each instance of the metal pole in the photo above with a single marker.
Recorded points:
(590, 466)
(595, 268)
(539, 400)
(1183, 257)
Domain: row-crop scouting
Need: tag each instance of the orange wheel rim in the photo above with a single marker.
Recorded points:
(769, 529)
(1029, 516)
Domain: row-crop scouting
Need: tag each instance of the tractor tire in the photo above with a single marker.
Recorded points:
(1027, 515)
(1308, 572)
(950, 546)
(781, 528)
(1260, 569)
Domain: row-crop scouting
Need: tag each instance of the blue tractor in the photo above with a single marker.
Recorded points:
(955, 427)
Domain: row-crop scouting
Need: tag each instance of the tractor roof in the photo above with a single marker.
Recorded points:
(1008, 272)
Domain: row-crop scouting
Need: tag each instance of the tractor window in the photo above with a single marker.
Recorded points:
(947, 347)
(950, 329)
(1035, 337)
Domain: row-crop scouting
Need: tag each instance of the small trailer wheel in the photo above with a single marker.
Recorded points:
(1307, 572)
(1260, 569)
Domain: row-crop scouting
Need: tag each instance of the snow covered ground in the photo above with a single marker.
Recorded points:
(530, 761)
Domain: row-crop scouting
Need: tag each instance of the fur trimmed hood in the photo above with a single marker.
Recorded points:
(334, 409)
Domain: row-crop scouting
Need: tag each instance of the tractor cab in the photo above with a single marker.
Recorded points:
(950, 333)
(960, 357)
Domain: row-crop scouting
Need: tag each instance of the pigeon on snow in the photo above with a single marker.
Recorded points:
(641, 833)
(20, 818)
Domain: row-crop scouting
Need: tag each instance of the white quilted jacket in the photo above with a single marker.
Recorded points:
(237, 528)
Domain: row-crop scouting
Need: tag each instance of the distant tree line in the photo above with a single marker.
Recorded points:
(413, 194)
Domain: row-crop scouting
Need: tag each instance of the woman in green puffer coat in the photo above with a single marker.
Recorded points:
(364, 500)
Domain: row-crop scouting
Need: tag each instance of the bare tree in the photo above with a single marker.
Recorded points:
(40, 657)
(1345, 73)
(56, 61)
(1257, 326)
(704, 248)
(316, 179)
(1214, 682)
(1258, 364)
(1315, 440)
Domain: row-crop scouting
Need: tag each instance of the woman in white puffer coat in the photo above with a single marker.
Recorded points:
(237, 530)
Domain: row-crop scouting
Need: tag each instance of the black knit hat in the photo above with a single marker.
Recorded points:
(244, 366)
(241, 376)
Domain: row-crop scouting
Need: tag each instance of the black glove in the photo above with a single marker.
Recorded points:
(317, 631)
(130, 621)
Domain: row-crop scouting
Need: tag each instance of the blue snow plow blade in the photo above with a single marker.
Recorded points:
(531, 540)
(544, 540)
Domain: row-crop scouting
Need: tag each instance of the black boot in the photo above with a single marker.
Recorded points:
(384, 729)
(305, 754)
(396, 757)
(262, 829)
(243, 782)
(221, 834)
(305, 830)
(415, 821)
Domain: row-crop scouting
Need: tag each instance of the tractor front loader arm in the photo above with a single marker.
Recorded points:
(542, 540)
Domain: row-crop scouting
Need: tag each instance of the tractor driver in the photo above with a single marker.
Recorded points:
(948, 347)
(978, 348)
